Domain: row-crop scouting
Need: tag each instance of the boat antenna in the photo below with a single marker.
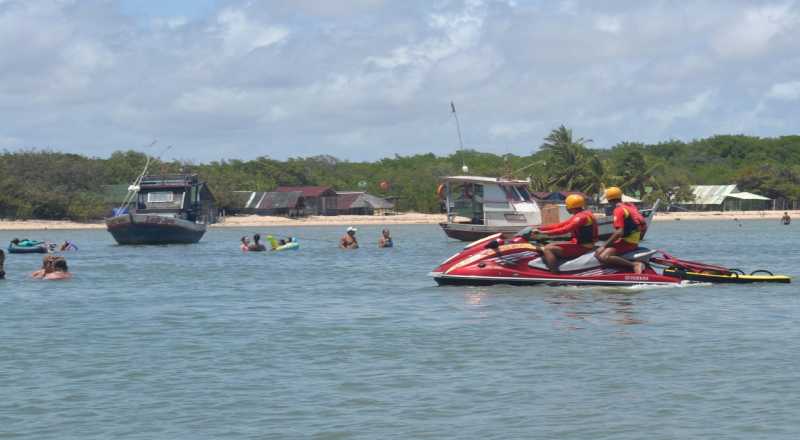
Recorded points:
(134, 188)
(464, 166)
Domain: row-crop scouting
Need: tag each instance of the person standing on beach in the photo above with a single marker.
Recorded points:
(786, 220)
(629, 225)
(348, 240)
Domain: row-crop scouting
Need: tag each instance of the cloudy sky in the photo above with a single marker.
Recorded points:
(365, 79)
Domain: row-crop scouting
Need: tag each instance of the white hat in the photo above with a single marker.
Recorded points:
(349, 229)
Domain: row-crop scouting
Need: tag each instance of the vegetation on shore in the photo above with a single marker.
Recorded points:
(46, 184)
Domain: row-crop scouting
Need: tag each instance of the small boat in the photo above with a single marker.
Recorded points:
(164, 209)
(479, 206)
(35, 247)
(495, 260)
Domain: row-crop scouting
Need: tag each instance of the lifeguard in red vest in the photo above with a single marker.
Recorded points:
(583, 228)
(629, 227)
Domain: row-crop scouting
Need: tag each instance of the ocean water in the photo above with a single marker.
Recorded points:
(204, 342)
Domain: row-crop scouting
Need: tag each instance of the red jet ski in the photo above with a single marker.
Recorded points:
(494, 260)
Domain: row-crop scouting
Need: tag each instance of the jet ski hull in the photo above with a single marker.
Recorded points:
(493, 260)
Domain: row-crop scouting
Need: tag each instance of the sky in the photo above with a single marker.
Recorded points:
(366, 79)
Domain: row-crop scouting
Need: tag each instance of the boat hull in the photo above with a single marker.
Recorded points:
(154, 229)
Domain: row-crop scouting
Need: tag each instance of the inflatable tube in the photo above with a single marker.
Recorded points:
(39, 249)
(292, 246)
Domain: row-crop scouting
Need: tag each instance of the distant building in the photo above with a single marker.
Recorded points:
(361, 203)
(725, 198)
(317, 200)
(289, 204)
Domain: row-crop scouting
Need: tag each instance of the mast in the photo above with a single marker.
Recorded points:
(464, 166)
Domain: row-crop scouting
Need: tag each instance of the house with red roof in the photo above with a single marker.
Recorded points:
(317, 200)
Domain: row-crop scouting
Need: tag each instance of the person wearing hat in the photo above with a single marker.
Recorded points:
(629, 226)
(583, 228)
(348, 240)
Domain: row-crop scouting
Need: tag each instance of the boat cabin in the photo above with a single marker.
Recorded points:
(178, 195)
(489, 201)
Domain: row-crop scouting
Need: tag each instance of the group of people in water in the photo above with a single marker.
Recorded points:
(256, 246)
(349, 240)
(629, 228)
(54, 267)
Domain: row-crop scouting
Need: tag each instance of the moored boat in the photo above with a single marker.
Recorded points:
(479, 206)
(166, 209)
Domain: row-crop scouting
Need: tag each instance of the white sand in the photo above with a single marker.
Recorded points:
(411, 218)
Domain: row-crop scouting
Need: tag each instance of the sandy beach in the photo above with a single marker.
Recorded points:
(411, 218)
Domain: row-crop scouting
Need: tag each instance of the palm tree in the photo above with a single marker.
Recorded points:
(570, 165)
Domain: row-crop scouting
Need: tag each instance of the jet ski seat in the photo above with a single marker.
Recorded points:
(588, 261)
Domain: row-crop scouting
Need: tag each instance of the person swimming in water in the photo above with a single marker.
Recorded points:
(786, 220)
(348, 240)
(385, 240)
(245, 246)
(256, 246)
(2, 264)
(47, 266)
(60, 270)
(68, 246)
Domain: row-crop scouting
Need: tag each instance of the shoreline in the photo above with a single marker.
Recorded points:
(411, 218)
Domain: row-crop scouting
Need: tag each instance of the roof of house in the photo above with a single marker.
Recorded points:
(482, 179)
(308, 191)
(280, 200)
(625, 198)
(711, 194)
(354, 200)
(747, 196)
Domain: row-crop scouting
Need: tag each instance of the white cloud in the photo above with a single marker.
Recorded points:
(607, 23)
(511, 130)
(692, 107)
(786, 91)
(365, 79)
(753, 29)
(242, 35)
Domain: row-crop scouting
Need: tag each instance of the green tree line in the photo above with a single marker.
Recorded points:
(52, 185)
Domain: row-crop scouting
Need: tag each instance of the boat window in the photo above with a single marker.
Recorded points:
(160, 197)
(512, 194)
(526, 196)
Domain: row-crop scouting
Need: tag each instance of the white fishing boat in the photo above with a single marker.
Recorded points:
(479, 206)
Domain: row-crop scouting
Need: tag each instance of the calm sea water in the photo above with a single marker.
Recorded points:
(202, 341)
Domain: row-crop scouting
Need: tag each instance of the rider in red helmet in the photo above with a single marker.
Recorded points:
(583, 227)
(629, 227)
